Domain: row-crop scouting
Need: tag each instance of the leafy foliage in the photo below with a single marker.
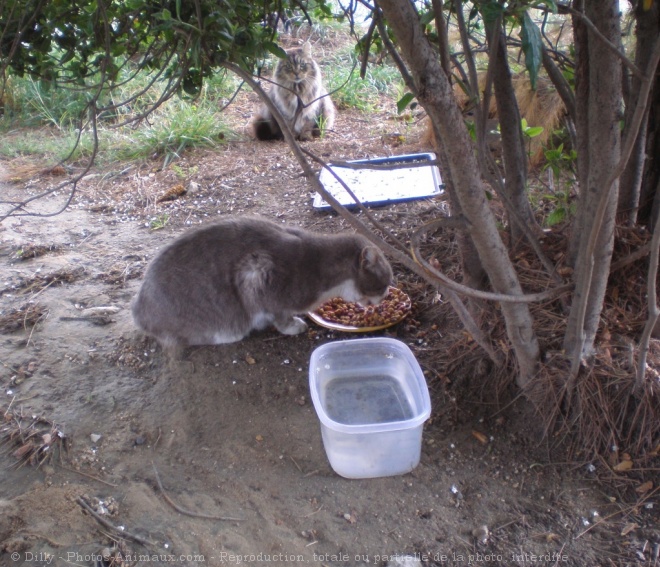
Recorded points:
(532, 44)
(86, 43)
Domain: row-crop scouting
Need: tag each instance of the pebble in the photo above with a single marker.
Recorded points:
(481, 534)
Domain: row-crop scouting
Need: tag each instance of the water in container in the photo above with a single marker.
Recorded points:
(366, 399)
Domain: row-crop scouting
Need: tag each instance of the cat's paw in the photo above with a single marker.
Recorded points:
(306, 135)
(293, 326)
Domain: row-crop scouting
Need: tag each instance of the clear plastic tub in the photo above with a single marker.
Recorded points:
(372, 400)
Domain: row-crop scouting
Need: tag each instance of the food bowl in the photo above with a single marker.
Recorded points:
(372, 400)
(394, 308)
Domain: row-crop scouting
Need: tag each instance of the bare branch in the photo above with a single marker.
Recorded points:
(653, 310)
(606, 42)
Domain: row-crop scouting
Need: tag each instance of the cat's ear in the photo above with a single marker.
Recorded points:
(369, 256)
(307, 49)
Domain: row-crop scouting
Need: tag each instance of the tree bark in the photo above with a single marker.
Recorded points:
(603, 154)
(434, 93)
(581, 42)
(513, 144)
(649, 205)
(648, 29)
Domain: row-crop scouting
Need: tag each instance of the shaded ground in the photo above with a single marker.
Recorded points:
(230, 431)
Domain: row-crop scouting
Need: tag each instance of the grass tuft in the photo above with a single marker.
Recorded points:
(342, 72)
(40, 121)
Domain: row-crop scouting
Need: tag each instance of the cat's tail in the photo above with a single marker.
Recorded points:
(264, 127)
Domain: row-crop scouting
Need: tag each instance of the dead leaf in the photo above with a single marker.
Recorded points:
(623, 466)
(250, 360)
(644, 487)
(628, 528)
(615, 293)
(172, 193)
(24, 450)
(564, 271)
(480, 437)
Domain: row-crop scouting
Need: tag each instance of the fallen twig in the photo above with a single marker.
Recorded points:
(188, 512)
(106, 524)
(89, 476)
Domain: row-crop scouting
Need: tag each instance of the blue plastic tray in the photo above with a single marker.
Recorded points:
(382, 186)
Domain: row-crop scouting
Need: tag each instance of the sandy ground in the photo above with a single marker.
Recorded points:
(217, 459)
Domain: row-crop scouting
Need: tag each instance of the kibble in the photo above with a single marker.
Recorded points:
(392, 309)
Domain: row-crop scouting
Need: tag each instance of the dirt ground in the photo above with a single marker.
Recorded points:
(229, 432)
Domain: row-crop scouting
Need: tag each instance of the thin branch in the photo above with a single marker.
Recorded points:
(109, 525)
(238, 90)
(188, 512)
(606, 42)
(464, 315)
(391, 49)
(443, 37)
(353, 196)
(367, 46)
(653, 310)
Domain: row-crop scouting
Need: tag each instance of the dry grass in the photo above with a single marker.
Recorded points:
(24, 317)
(32, 440)
(605, 411)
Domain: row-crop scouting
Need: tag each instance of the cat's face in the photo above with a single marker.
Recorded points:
(297, 69)
(374, 276)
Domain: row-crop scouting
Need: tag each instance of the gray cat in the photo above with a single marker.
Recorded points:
(216, 284)
(299, 94)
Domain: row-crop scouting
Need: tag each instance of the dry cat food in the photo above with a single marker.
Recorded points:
(392, 309)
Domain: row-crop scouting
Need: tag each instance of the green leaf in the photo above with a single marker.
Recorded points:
(427, 18)
(552, 155)
(275, 49)
(556, 216)
(404, 101)
(490, 11)
(533, 131)
(548, 4)
(532, 44)
(165, 15)
(472, 130)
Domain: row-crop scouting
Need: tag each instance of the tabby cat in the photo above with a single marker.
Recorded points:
(300, 96)
(216, 284)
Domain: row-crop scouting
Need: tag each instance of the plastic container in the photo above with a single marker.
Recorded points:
(381, 186)
(372, 400)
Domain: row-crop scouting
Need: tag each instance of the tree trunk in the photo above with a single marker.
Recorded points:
(604, 150)
(513, 144)
(434, 93)
(581, 41)
(649, 205)
(648, 28)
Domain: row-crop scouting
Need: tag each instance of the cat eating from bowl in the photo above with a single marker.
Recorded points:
(218, 283)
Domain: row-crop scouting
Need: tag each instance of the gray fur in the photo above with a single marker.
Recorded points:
(216, 284)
